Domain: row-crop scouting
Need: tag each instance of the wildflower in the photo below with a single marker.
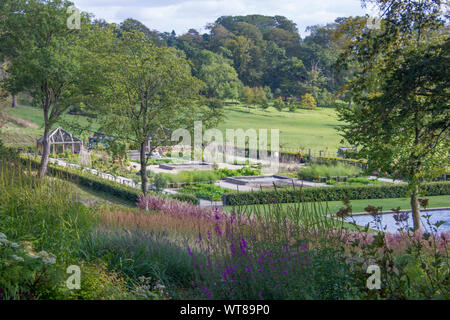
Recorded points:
(284, 271)
(205, 290)
(243, 245)
(248, 269)
(260, 295)
(2, 236)
(46, 257)
(189, 251)
(232, 248)
(18, 259)
(14, 245)
(219, 232)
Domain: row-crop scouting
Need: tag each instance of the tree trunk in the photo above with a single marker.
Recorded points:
(14, 101)
(144, 168)
(416, 210)
(45, 153)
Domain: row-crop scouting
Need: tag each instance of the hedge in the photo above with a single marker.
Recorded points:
(96, 183)
(335, 193)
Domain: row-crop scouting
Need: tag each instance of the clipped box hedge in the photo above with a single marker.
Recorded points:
(336, 193)
(96, 183)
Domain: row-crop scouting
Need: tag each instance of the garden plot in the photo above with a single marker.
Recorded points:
(187, 166)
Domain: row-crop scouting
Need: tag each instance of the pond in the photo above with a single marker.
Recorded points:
(392, 226)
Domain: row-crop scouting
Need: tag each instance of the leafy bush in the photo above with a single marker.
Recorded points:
(23, 272)
(205, 191)
(308, 101)
(97, 283)
(184, 197)
(335, 193)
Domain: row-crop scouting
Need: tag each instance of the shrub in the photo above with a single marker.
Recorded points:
(335, 193)
(24, 274)
(278, 104)
(205, 191)
(97, 283)
(308, 101)
(185, 198)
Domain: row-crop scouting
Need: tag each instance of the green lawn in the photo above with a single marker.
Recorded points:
(92, 197)
(386, 204)
(26, 135)
(300, 130)
(303, 129)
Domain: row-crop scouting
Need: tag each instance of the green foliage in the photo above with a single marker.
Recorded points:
(308, 101)
(220, 77)
(247, 96)
(400, 116)
(334, 193)
(314, 171)
(91, 181)
(205, 191)
(278, 104)
(24, 274)
(184, 197)
(97, 283)
(139, 253)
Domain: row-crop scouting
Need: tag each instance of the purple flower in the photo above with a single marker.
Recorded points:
(284, 271)
(274, 201)
(260, 295)
(205, 290)
(217, 217)
(243, 245)
(189, 251)
(248, 269)
(219, 232)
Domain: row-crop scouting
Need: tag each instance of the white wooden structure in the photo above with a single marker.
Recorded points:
(60, 141)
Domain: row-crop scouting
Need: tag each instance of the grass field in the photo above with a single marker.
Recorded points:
(386, 204)
(300, 130)
(28, 126)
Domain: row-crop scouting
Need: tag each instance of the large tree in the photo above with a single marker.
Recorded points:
(46, 60)
(400, 116)
(147, 92)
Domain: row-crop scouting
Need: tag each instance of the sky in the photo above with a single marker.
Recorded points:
(181, 15)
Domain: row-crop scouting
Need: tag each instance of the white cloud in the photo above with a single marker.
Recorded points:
(181, 15)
